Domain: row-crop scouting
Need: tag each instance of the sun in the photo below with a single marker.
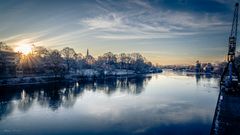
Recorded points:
(24, 48)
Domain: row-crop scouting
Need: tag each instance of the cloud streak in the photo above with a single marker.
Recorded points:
(150, 23)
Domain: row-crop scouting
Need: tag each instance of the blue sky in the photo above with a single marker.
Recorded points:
(165, 31)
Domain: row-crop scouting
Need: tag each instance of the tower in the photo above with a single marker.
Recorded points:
(87, 53)
(198, 66)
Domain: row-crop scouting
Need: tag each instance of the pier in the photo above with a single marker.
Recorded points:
(226, 120)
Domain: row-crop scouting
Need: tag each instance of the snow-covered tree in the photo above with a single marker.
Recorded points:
(68, 55)
(55, 62)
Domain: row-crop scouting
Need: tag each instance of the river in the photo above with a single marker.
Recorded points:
(171, 103)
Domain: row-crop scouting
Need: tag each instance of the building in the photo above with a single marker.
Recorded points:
(198, 67)
(8, 63)
(89, 58)
(208, 68)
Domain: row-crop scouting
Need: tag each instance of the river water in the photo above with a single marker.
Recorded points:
(171, 103)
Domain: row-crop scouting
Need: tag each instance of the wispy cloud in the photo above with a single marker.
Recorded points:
(227, 1)
(150, 22)
(110, 21)
(24, 37)
(143, 36)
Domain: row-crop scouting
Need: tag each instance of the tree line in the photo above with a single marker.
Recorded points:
(59, 62)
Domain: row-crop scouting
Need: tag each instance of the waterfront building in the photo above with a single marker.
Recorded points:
(8, 63)
(198, 67)
(208, 68)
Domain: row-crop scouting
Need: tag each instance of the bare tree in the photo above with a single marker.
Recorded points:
(122, 60)
(55, 62)
(68, 54)
(40, 51)
(78, 60)
(5, 47)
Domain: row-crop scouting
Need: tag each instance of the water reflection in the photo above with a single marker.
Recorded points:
(166, 103)
(205, 77)
(58, 95)
(207, 80)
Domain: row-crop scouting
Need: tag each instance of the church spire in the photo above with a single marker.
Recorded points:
(87, 52)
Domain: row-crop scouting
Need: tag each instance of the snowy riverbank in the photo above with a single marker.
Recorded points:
(85, 74)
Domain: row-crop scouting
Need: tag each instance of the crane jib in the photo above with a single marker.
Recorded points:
(230, 77)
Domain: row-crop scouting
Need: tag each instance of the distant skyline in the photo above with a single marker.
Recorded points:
(164, 31)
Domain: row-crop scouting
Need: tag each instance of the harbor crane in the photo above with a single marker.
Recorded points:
(230, 76)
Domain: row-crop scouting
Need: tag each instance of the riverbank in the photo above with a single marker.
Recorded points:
(227, 113)
(29, 80)
(83, 75)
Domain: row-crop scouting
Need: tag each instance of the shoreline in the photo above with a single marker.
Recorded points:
(37, 80)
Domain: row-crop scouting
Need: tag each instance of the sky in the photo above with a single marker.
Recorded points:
(164, 31)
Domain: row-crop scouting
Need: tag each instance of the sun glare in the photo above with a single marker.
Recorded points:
(24, 48)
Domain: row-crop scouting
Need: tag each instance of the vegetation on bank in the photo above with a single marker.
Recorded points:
(43, 61)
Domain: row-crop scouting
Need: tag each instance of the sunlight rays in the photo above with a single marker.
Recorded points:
(24, 48)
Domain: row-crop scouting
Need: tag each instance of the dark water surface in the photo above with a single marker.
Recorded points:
(167, 103)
